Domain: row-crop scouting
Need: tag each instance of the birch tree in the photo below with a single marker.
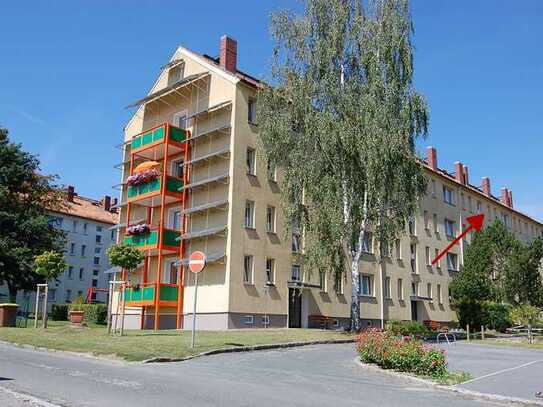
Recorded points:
(340, 117)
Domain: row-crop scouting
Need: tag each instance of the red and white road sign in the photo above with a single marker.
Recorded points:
(197, 261)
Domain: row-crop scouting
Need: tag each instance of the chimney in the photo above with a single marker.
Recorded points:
(510, 198)
(71, 193)
(466, 175)
(486, 186)
(459, 172)
(114, 201)
(432, 157)
(107, 203)
(229, 53)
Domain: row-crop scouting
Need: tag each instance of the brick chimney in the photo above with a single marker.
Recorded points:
(459, 172)
(106, 201)
(114, 201)
(486, 187)
(510, 198)
(71, 193)
(229, 53)
(505, 196)
(431, 153)
(466, 175)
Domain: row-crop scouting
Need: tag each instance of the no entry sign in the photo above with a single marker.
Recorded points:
(197, 261)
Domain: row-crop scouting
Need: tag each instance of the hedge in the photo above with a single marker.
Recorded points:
(94, 313)
(407, 328)
(59, 312)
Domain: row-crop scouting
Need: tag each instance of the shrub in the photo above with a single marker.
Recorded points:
(407, 328)
(496, 316)
(95, 313)
(77, 305)
(404, 354)
(59, 312)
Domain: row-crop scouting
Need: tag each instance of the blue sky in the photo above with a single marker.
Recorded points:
(68, 69)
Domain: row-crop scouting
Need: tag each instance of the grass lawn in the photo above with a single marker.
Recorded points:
(538, 343)
(140, 345)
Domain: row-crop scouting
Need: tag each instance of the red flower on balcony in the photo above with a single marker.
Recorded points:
(142, 177)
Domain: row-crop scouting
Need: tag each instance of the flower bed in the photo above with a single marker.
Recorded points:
(142, 177)
(400, 353)
(138, 229)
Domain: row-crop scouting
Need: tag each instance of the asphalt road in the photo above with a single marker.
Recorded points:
(307, 376)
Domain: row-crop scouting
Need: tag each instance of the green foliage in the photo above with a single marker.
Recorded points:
(341, 121)
(124, 256)
(59, 312)
(470, 313)
(523, 278)
(95, 313)
(496, 316)
(401, 353)
(77, 305)
(49, 264)
(407, 328)
(526, 314)
(25, 198)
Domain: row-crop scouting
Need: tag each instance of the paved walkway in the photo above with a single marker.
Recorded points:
(308, 376)
(507, 371)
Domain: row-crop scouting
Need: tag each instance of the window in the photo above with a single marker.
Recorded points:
(97, 261)
(97, 250)
(295, 272)
(439, 294)
(385, 250)
(413, 249)
(434, 188)
(248, 269)
(415, 289)
(427, 255)
(388, 293)
(452, 261)
(251, 111)
(429, 290)
(400, 289)
(412, 226)
(426, 220)
(272, 171)
(98, 239)
(72, 249)
(251, 158)
(250, 214)
(322, 281)
(470, 204)
(95, 272)
(434, 221)
(68, 295)
(172, 273)
(339, 283)
(113, 234)
(270, 219)
(85, 228)
(448, 195)
(70, 271)
(98, 229)
(398, 247)
(177, 167)
(180, 119)
(367, 243)
(74, 226)
(81, 273)
(463, 200)
(366, 285)
(175, 73)
(436, 253)
(270, 271)
(175, 219)
(83, 249)
(479, 207)
(56, 222)
(52, 294)
(450, 228)
(94, 282)
(295, 242)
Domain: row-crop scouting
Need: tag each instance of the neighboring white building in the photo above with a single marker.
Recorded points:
(87, 224)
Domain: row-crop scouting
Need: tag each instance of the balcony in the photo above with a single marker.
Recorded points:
(149, 241)
(145, 295)
(148, 193)
(150, 144)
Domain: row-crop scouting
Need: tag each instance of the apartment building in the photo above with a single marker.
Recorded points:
(194, 179)
(87, 224)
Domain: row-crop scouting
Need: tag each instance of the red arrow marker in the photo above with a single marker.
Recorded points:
(475, 222)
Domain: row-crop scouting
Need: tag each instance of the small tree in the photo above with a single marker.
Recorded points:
(124, 256)
(526, 315)
(523, 277)
(50, 264)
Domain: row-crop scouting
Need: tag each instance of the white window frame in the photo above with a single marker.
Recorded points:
(369, 279)
(249, 215)
(428, 255)
(166, 272)
(400, 289)
(250, 161)
(171, 218)
(270, 219)
(248, 268)
(174, 165)
(388, 288)
(452, 266)
(450, 228)
(251, 110)
(296, 275)
(270, 271)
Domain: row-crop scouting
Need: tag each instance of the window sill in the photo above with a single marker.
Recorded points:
(250, 228)
(271, 232)
(248, 284)
(251, 174)
(252, 123)
(367, 296)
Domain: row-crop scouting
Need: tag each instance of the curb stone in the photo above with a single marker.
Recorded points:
(506, 400)
(249, 348)
(34, 401)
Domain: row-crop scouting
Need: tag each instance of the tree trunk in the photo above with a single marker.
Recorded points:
(12, 294)
(355, 295)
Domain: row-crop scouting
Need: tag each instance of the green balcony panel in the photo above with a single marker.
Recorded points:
(170, 237)
(151, 186)
(140, 240)
(174, 185)
(168, 293)
(178, 135)
(148, 138)
(149, 293)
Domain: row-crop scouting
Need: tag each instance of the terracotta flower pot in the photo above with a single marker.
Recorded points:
(8, 314)
(76, 317)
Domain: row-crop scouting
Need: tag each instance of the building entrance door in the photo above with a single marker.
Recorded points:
(294, 308)
(414, 311)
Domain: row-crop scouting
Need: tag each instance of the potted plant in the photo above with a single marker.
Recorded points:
(76, 313)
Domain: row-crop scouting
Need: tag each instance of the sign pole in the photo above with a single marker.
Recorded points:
(194, 309)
